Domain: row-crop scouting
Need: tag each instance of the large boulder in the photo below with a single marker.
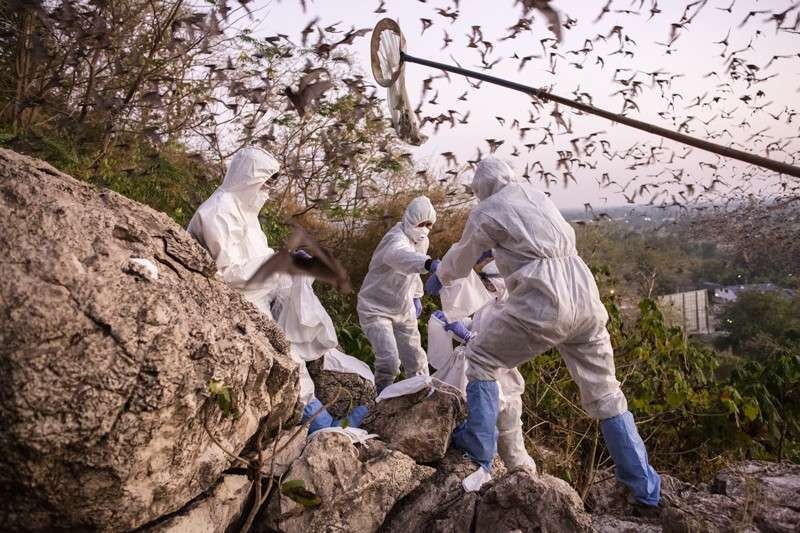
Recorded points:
(355, 390)
(357, 486)
(113, 326)
(419, 424)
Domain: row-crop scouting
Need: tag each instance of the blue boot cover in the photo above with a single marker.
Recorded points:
(322, 420)
(630, 458)
(478, 435)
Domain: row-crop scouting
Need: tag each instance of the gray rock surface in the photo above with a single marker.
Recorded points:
(357, 485)
(357, 390)
(751, 496)
(104, 367)
(524, 501)
(429, 504)
(216, 512)
(419, 424)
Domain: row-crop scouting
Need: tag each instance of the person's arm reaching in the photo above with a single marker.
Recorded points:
(221, 237)
(460, 258)
(401, 256)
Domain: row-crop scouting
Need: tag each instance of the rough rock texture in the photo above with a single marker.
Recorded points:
(419, 424)
(358, 485)
(357, 390)
(290, 445)
(104, 367)
(524, 501)
(752, 496)
(220, 510)
(774, 489)
(513, 501)
(430, 503)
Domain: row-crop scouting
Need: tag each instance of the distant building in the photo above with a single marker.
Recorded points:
(689, 310)
(730, 293)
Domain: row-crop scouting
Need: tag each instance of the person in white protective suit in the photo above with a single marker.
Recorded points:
(389, 301)
(227, 226)
(553, 301)
(452, 369)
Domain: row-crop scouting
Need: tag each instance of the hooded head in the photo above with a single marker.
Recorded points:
(419, 210)
(491, 175)
(247, 176)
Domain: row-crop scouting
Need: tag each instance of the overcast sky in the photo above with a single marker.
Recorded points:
(693, 56)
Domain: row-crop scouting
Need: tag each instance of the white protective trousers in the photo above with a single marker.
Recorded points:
(553, 300)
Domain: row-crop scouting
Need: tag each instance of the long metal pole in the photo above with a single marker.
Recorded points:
(776, 166)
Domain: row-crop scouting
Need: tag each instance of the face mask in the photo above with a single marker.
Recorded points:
(258, 199)
(418, 234)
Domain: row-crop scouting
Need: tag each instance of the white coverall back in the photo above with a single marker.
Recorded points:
(553, 300)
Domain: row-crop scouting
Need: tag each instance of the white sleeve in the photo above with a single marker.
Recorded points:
(404, 258)
(221, 235)
(417, 289)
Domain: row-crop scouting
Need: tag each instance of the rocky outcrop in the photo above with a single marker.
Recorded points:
(752, 496)
(419, 424)
(217, 512)
(113, 326)
(526, 501)
(514, 501)
(429, 503)
(355, 390)
(356, 486)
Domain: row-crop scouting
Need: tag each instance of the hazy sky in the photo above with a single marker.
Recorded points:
(693, 56)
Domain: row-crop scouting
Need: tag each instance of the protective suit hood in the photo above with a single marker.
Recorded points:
(491, 175)
(249, 169)
(419, 210)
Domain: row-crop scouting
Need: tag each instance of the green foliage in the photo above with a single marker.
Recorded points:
(295, 490)
(222, 394)
(759, 323)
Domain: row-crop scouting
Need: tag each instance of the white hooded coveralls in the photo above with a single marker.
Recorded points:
(385, 302)
(227, 226)
(553, 300)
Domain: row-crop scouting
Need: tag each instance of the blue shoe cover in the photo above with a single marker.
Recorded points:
(630, 458)
(478, 435)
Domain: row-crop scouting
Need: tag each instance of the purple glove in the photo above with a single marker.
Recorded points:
(418, 306)
(301, 254)
(458, 329)
(485, 255)
(440, 316)
(433, 285)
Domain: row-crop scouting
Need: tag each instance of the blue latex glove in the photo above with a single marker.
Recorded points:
(418, 306)
(630, 458)
(322, 420)
(434, 266)
(325, 420)
(357, 416)
(440, 316)
(458, 329)
(301, 254)
(478, 435)
(485, 255)
(433, 285)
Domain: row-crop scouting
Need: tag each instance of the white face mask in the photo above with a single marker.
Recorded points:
(258, 199)
(418, 234)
